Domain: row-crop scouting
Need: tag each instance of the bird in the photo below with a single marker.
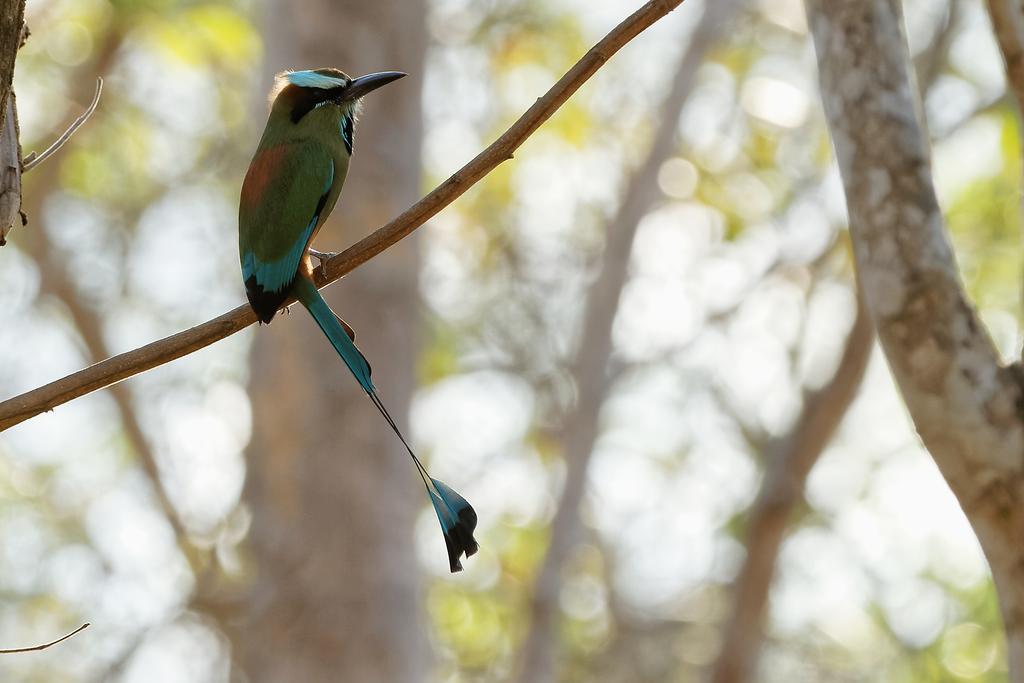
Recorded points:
(290, 188)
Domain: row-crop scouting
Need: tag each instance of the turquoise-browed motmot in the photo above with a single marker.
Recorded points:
(292, 185)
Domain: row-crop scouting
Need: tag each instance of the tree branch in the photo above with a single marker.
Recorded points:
(788, 463)
(20, 408)
(590, 369)
(967, 406)
(1008, 24)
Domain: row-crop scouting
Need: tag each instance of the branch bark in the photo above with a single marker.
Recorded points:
(590, 369)
(20, 408)
(12, 35)
(967, 406)
(10, 170)
(787, 466)
(12, 22)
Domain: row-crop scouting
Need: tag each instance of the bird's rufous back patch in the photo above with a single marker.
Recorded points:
(261, 170)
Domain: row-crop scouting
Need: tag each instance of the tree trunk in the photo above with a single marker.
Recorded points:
(336, 589)
(967, 406)
(12, 26)
(12, 20)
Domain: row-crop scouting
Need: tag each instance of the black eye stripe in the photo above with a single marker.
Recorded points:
(307, 99)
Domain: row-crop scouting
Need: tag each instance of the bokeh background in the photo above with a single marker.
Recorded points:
(605, 346)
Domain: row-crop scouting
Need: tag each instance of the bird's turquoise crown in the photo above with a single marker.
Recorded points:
(323, 79)
(320, 78)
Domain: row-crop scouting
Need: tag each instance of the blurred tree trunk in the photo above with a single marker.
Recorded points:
(336, 588)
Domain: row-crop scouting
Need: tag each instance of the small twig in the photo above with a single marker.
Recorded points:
(36, 648)
(33, 160)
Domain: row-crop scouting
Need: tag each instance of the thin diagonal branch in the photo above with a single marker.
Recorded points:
(788, 464)
(20, 408)
(1008, 24)
(33, 159)
(590, 369)
(36, 648)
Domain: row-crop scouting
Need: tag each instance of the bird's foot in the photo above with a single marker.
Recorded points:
(323, 257)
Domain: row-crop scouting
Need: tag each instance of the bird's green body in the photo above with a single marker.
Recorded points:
(292, 185)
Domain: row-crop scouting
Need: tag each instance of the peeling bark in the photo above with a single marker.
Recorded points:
(10, 170)
(967, 406)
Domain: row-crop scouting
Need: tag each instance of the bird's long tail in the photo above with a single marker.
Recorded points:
(456, 515)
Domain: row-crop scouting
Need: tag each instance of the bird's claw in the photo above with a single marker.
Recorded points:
(323, 257)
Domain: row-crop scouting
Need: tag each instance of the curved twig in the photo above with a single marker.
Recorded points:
(36, 648)
(33, 159)
(20, 408)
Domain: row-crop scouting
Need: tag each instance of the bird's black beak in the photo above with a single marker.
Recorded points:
(370, 82)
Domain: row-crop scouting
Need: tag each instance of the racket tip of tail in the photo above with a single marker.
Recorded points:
(458, 521)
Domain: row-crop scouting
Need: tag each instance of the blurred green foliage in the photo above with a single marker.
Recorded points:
(985, 222)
